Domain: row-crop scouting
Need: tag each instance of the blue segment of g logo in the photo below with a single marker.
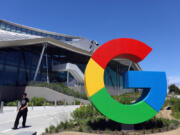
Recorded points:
(155, 81)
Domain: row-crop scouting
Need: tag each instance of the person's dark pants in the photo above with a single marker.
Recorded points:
(22, 113)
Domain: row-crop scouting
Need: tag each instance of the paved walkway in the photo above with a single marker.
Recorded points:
(41, 117)
(38, 118)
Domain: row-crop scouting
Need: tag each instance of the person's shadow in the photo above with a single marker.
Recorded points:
(28, 126)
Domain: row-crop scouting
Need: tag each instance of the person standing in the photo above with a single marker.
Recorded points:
(22, 111)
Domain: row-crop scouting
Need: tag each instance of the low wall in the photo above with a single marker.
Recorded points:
(51, 95)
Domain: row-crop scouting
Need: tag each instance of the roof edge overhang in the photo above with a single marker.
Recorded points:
(38, 30)
(27, 42)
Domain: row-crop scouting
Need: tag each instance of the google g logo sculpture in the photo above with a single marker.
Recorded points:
(138, 112)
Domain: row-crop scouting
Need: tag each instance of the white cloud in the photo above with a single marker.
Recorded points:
(174, 80)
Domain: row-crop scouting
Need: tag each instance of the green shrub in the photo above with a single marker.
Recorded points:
(12, 103)
(46, 130)
(175, 106)
(38, 101)
(59, 126)
(51, 128)
(155, 123)
(127, 98)
(80, 129)
(176, 115)
(84, 112)
(77, 102)
(174, 89)
(61, 103)
(65, 125)
(56, 129)
(171, 127)
(88, 129)
(167, 128)
(35, 101)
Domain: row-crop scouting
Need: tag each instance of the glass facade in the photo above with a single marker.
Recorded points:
(19, 64)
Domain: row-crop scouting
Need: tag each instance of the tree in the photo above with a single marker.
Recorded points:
(174, 89)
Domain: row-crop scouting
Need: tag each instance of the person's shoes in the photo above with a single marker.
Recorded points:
(23, 126)
(14, 128)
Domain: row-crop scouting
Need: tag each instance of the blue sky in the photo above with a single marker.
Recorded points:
(155, 22)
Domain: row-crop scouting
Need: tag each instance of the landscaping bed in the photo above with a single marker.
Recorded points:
(88, 119)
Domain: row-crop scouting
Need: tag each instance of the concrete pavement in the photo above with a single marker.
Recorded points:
(38, 118)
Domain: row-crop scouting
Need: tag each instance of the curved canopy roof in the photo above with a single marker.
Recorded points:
(12, 34)
(20, 32)
(9, 39)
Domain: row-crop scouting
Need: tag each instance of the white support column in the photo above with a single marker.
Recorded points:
(32, 106)
(47, 67)
(55, 102)
(1, 106)
(40, 60)
(67, 78)
(18, 105)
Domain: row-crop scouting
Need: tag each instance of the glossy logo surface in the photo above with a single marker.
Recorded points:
(151, 100)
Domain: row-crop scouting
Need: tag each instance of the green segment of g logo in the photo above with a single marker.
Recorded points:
(104, 103)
